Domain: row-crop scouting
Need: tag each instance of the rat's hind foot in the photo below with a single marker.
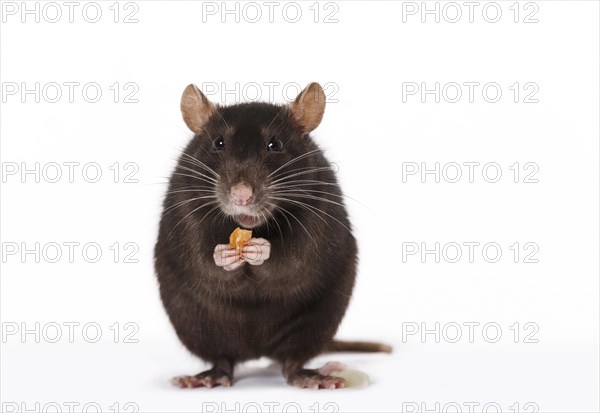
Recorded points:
(311, 379)
(205, 379)
(220, 375)
(317, 378)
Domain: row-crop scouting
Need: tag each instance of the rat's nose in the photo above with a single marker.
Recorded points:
(241, 194)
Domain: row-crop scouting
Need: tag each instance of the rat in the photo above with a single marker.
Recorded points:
(283, 295)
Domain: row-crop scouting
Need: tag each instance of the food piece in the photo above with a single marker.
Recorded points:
(238, 238)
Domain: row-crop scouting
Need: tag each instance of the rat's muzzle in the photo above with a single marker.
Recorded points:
(241, 194)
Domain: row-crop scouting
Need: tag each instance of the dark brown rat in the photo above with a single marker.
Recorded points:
(254, 165)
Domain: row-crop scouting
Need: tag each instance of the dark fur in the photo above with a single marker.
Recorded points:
(288, 308)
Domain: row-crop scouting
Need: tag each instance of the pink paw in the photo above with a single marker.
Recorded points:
(257, 251)
(227, 257)
(318, 381)
(319, 378)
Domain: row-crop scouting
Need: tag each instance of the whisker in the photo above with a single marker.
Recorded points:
(194, 210)
(265, 220)
(276, 223)
(180, 203)
(297, 220)
(196, 162)
(222, 118)
(318, 198)
(293, 188)
(299, 203)
(340, 196)
(301, 182)
(324, 168)
(210, 191)
(298, 158)
(194, 171)
(195, 177)
(303, 205)
(210, 154)
(275, 117)
(286, 174)
(221, 217)
(286, 218)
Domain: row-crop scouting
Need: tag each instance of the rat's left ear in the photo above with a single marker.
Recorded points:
(309, 106)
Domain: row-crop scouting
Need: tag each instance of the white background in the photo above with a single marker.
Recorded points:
(370, 133)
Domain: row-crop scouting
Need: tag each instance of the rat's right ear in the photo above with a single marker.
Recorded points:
(195, 108)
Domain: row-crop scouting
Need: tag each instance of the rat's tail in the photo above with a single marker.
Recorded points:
(356, 346)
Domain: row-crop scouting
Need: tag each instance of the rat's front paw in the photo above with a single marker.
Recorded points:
(257, 251)
(227, 257)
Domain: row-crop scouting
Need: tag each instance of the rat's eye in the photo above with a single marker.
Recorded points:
(219, 143)
(275, 145)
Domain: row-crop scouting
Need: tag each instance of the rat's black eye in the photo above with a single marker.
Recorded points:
(275, 144)
(219, 143)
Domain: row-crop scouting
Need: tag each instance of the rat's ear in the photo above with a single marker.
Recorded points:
(309, 106)
(195, 108)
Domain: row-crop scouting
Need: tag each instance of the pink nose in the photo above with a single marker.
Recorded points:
(241, 194)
